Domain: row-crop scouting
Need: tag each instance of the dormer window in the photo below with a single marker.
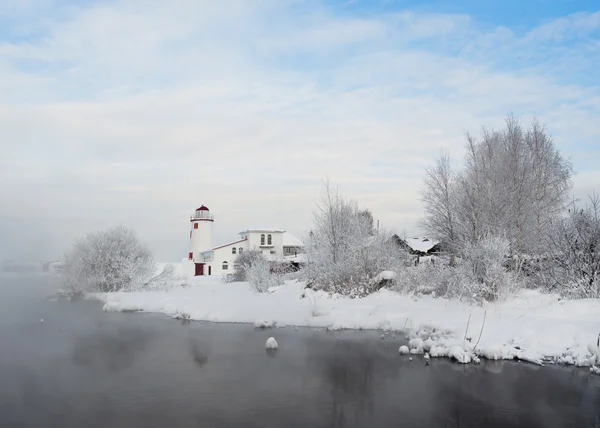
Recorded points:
(233, 250)
(269, 241)
(262, 239)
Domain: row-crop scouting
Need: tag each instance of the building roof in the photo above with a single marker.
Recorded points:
(290, 240)
(421, 244)
(202, 208)
(262, 229)
(228, 244)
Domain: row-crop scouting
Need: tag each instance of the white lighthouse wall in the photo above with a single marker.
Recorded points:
(201, 238)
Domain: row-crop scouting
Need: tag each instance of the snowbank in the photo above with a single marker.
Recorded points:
(530, 326)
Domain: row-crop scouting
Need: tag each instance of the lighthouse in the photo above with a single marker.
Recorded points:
(201, 227)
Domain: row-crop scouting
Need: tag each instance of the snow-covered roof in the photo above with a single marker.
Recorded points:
(229, 243)
(290, 240)
(262, 229)
(421, 244)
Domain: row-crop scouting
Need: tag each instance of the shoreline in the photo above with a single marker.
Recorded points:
(531, 326)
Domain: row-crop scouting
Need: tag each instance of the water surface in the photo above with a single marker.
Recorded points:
(82, 367)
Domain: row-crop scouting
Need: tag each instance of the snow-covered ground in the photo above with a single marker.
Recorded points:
(530, 326)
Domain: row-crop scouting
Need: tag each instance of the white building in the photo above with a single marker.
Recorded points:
(204, 259)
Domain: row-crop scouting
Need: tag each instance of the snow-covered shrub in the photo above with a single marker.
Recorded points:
(344, 250)
(243, 263)
(481, 273)
(572, 265)
(165, 279)
(261, 276)
(430, 279)
(108, 260)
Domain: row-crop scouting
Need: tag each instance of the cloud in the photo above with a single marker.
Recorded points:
(135, 111)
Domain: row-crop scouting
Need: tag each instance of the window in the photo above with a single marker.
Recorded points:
(225, 266)
(233, 250)
(272, 252)
(190, 256)
(262, 239)
(240, 250)
(269, 242)
(195, 225)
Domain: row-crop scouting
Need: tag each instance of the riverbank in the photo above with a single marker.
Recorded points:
(530, 326)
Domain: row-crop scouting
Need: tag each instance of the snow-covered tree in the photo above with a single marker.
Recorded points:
(513, 184)
(440, 199)
(344, 251)
(108, 260)
(572, 265)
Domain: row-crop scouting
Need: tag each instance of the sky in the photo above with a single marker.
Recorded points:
(135, 112)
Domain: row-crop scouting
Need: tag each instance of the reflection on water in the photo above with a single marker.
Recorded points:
(86, 368)
(111, 351)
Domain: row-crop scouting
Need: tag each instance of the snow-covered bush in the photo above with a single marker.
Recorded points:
(243, 263)
(261, 277)
(165, 279)
(344, 250)
(572, 265)
(108, 260)
(481, 273)
(430, 279)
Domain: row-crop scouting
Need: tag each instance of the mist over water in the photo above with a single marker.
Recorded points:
(83, 367)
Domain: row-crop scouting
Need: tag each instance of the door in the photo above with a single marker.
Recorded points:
(199, 269)
(209, 270)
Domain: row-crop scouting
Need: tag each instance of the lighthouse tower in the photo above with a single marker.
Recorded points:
(200, 234)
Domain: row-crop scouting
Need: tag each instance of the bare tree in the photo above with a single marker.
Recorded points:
(108, 260)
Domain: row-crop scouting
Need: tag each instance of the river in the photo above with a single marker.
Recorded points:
(82, 367)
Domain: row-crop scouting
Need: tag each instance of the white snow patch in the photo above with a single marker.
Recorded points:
(264, 324)
(271, 343)
(385, 275)
(403, 350)
(530, 326)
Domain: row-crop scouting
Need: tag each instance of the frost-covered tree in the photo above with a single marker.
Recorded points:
(344, 251)
(572, 265)
(513, 184)
(440, 199)
(108, 260)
